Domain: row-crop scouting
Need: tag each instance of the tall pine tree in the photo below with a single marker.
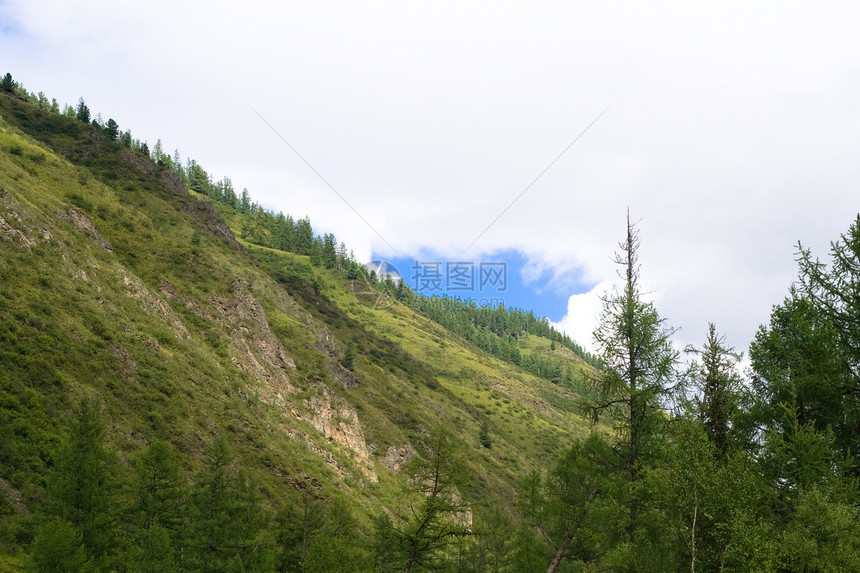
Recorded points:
(637, 375)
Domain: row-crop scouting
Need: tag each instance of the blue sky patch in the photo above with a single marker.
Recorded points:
(505, 277)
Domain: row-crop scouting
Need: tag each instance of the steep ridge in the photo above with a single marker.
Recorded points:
(118, 284)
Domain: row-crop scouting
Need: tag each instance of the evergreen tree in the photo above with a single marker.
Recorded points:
(304, 237)
(126, 139)
(176, 166)
(573, 508)
(198, 179)
(493, 547)
(337, 547)
(228, 194)
(158, 153)
(227, 519)
(348, 360)
(435, 514)
(155, 553)
(57, 548)
(297, 528)
(81, 482)
(161, 488)
(329, 251)
(82, 112)
(8, 84)
(832, 291)
(717, 384)
(111, 129)
(713, 508)
(639, 370)
(484, 435)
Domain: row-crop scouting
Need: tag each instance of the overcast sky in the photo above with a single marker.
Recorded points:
(731, 132)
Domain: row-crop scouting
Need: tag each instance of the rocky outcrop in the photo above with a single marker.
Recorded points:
(338, 422)
(204, 213)
(139, 162)
(151, 302)
(14, 497)
(256, 349)
(396, 457)
(81, 222)
(17, 226)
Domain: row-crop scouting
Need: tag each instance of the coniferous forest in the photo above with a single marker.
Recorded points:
(191, 382)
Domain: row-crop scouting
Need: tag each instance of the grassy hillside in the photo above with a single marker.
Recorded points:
(120, 286)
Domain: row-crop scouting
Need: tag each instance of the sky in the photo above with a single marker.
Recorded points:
(500, 132)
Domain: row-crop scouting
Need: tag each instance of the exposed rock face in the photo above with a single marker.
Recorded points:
(14, 496)
(338, 422)
(171, 183)
(81, 222)
(10, 233)
(205, 214)
(151, 302)
(396, 457)
(256, 348)
(465, 516)
(343, 375)
(18, 226)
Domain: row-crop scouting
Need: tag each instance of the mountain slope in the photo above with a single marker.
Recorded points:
(118, 284)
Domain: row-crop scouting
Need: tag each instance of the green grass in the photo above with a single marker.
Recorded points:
(173, 328)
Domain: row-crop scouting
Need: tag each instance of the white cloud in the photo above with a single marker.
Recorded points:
(731, 133)
(583, 315)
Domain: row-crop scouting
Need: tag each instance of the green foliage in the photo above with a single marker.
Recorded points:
(82, 112)
(798, 456)
(8, 84)
(711, 504)
(57, 548)
(717, 386)
(435, 514)
(796, 362)
(82, 483)
(823, 534)
(639, 370)
(498, 330)
(348, 360)
(179, 340)
(155, 552)
(484, 436)
(111, 129)
(161, 489)
(338, 546)
(296, 529)
(227, 520)
(575, 508)
(832, 292)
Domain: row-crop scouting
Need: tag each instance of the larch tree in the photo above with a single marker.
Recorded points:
(637, 374)
(716, 382)
(436, 514)
(82, 480)
(834, 291)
